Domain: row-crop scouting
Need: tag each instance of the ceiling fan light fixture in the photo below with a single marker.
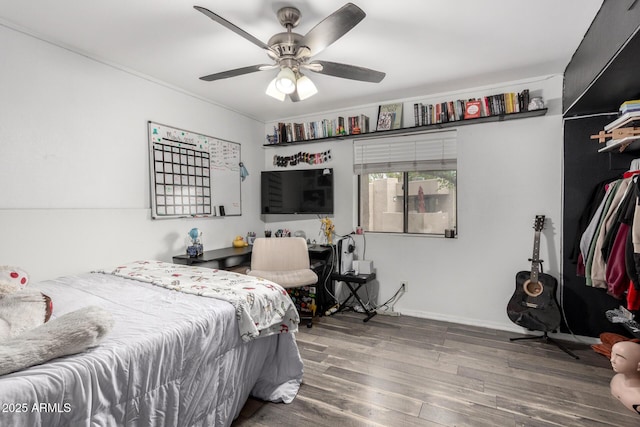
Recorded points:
(306, 88)
(285, 81)
(273, 92)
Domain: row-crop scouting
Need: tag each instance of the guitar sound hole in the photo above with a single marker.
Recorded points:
(533, 289)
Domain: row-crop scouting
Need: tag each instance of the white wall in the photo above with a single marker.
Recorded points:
(74, 162)
(508, 172)
(75, 183)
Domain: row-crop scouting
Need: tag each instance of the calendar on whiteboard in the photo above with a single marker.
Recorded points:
(192, 175)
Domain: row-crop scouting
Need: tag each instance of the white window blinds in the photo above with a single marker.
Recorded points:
(406, 153)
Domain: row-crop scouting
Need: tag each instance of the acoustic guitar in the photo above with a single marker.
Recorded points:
(533, 305)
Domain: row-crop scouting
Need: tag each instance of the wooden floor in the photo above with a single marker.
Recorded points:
(405, 371)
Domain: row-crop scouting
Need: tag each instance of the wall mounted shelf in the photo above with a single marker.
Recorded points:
(446, 125)
(627, 137)
(629, 143)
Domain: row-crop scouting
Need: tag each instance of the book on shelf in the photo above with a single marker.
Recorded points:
(396, 109)
(364, 124)
(354, 125)
(341, 129)
(282, 132)
(472, 109)
(490, 105)
(524, 104)
(424, 115)
(385, 120)
(289, 132)
(325, 128)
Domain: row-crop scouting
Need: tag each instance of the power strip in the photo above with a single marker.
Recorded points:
(388, 313)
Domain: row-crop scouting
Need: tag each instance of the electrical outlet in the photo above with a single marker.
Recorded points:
(404, 286)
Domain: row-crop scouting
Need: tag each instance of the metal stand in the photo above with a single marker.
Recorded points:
(547, 339)
(359, 280)
(354, 294)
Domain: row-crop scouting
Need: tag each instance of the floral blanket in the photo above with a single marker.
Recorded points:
(262, 307)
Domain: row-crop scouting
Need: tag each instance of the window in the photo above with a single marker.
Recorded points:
(407, 184)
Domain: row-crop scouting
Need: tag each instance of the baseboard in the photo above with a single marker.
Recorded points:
(497, 326)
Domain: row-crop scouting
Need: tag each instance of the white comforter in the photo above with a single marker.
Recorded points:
(262, 307)
(172, 359)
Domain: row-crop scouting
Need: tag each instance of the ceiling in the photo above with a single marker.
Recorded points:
(424, 47)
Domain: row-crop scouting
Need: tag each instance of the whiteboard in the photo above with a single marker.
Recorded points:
(192, 175)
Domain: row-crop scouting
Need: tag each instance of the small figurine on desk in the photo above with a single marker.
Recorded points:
(194, 243)
(328, 227)
(625, 385)
(251, 236)
(239, 242)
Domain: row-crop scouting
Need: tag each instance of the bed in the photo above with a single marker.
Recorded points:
(178, 353)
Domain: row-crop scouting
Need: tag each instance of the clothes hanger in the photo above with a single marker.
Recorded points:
(634, 169)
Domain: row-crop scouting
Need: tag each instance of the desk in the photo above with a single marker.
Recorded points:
(231, 258)
(218, 255)
(354, 283)
(316, 253)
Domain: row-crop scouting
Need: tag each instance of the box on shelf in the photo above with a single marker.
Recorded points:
(363, 266)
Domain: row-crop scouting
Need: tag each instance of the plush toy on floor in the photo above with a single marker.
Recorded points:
(27, 334)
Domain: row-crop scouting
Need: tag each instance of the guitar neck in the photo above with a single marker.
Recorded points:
(535, 258)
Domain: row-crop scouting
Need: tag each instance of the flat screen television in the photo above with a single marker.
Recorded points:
(300, 191)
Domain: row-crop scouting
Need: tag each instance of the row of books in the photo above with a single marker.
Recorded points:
(326, 128)
(450, 111)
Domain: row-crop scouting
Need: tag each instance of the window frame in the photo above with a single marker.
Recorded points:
(405, 208)
(422, 152)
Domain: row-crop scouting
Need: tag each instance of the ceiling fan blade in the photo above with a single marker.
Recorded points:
(235, 72)
(332, 28)
(220, 20)
(347, 71)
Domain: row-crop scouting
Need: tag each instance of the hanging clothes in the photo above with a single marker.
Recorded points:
(587, 238)
(623, 215)
(616, 249)
(594, 266)
(633, 296)
(607, 252)
(595, 199)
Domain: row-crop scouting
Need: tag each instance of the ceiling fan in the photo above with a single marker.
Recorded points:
(292, 52)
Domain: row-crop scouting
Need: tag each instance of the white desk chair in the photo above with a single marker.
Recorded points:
(285, 261)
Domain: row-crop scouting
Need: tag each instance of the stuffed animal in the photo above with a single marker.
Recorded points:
(21, 308)
(28, 335)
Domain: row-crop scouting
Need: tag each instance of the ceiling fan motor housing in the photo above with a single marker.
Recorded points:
(286, 44)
